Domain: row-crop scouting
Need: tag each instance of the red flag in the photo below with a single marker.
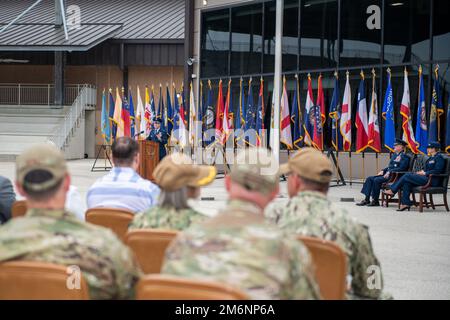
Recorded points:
(319, 118)
(346, 116)
(374, 128)
(362, 132)
(126, 115)
(219, 113)
(405, 111)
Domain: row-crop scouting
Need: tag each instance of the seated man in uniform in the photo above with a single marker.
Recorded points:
(372, 186)
(158, 134)
(7, 198)
(239, 247)
(49, 233)
(435, 164)
(179, 179)
(309, 213)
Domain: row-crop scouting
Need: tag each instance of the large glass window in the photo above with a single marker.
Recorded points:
(406, 31)
(441, 30)
(269, 36)
(215, 43)
(318, 31)
(290, 35)
(360, 32)
(246, 39)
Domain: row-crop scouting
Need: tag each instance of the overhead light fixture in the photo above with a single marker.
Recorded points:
(205, 2)
(13, 61)
(396, 4)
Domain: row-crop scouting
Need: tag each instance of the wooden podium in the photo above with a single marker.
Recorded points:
(148, 158)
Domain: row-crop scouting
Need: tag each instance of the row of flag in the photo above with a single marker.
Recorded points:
(297, 129)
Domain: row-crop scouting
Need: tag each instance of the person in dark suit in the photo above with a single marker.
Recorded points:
(372, 186)
(159, 135)
(7, 198)
(434, 165)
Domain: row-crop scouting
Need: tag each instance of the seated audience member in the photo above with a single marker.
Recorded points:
(179, 180)
(372, 186)
(238, 246)
(309, 213)
(122, 187)
(74, 203)
(49, 233)
(7, 198)
(435, 164)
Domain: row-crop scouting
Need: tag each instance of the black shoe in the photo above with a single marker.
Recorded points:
(363, 203)
(404, 208)
(374, 204)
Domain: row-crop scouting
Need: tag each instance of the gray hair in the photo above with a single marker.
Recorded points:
(174, 199)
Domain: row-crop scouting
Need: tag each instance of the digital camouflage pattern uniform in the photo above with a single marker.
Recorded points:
(166, 218)
(57, 236)
(311, 214)
(240, 248)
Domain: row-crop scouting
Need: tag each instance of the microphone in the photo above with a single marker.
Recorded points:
(138, 134)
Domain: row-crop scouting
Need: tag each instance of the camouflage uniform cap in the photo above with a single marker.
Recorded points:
(255, 169)
(177, 170)
(44, 157)
(310, 164)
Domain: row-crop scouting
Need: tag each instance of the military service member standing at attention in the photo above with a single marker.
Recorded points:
(238, 247)
(372, 186)
(435, 165)
(159, 135)
(310, 213)
(49, 233)
(179, 180)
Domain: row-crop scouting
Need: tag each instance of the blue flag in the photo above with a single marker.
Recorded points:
(152, 106)
(106, 130)
(335, 115)
(388, 116)
(132, 116)
(260, 115)
(240, 117)
(421, 123)
(250, 118)
(200, 111)
(297, 136)
(170, 113)
(435, 111)
(210, 118)
(113, 125)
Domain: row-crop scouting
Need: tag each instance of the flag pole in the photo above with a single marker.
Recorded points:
(350, 166)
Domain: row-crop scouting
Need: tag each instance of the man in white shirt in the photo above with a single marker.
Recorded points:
(122, 187)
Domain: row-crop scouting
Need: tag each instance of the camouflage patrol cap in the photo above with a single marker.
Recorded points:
(256, 170)
(311, 164)
(177, 170)
(44, 157)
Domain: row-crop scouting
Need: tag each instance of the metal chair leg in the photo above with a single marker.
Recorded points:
(445, 202)
(431, 200)
(421, 202)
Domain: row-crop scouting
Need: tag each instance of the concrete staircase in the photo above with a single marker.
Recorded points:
(23, 126)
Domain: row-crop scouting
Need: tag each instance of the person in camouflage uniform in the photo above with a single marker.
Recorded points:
(310, 213)
(49, 233)
(179, 180)
(239, 247)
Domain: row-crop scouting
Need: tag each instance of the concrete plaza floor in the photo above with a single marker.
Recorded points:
(413, 247)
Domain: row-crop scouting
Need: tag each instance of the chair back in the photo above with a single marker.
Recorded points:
(330, 267)
(446, 172)
(165, 287)
(412, 161)
(149, 247)
(115, 219)
(31, 280)
(419, 163)
(19, 208)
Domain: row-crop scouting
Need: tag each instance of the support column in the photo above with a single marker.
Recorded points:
(188, 44)
(277, 79)
(60, 63)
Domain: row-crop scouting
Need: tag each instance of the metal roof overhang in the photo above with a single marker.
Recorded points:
(49, 37)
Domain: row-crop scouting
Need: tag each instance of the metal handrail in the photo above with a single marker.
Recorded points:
(66, 128)
(36, 94)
